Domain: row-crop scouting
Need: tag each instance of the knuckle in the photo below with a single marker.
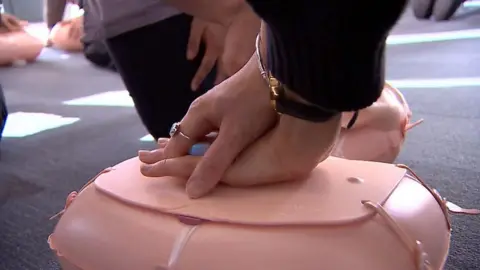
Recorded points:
(196, 105)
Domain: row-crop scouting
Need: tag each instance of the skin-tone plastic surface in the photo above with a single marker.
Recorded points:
(67, 35)
(379, 130)
(347, 215)
(18, 45)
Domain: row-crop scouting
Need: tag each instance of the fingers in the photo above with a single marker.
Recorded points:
(177, 167)
(75, 31)
(196, 125)
(12, 24)
(151, 157)
(208, 62)
(212, 166)
(162, 142)
(195, 39)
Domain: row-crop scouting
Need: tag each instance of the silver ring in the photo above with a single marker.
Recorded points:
(175, 129)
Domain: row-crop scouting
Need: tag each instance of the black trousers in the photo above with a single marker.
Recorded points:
(96, 52)
(153, 65)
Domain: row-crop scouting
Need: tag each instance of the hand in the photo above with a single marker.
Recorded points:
(76, 28)
(239, 43)
(247, 151)
(213, 36)
(288, 152)
(11, 23)
(238, 108)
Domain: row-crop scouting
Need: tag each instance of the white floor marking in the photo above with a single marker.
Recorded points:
(433, 37)
(22, 124)
(471, 4)
(147, 138)
(107, 99)
(436, 83)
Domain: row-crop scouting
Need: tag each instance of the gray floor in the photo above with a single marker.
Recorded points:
(37, 172)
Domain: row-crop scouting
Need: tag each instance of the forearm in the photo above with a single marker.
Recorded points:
(321, 137)
(331, 56)
(53, 11)
(323, 134)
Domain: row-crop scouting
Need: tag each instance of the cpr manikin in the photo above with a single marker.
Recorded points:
(16, 44)
(376, 133)
(66, 35)
(347, 215)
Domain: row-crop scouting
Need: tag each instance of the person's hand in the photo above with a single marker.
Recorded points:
(213, 36)
(11, 23)
(289, 152)
(239, 43)
(76, 28)
(246, 151)
(238, 108)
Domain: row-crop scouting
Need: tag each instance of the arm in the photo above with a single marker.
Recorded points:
(329, 54)
(53, 11)
(329, 58)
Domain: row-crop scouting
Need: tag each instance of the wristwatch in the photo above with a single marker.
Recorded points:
(284, 105)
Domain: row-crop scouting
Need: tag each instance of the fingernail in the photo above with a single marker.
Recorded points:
(195, 189)
(145, 168)
(193, 192)
(162, 140)
(199, 149)
(194, 86)
(189, 55)
(143, 153)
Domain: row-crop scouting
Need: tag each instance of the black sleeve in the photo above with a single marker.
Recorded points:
(329, 52)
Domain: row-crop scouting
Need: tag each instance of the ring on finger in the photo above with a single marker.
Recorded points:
(175, 129)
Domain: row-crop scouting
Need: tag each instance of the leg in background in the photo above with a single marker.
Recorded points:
(153, 65)
(96, 52)
(53, 11)
(3, 112)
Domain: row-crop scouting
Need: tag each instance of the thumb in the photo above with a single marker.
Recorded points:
(213, 165)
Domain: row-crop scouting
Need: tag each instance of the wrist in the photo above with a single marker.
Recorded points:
(285, 100)
(319, 137)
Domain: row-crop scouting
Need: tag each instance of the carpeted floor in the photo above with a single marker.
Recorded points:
(37, 171)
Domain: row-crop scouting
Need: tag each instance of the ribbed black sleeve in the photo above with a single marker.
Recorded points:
(330, 52)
